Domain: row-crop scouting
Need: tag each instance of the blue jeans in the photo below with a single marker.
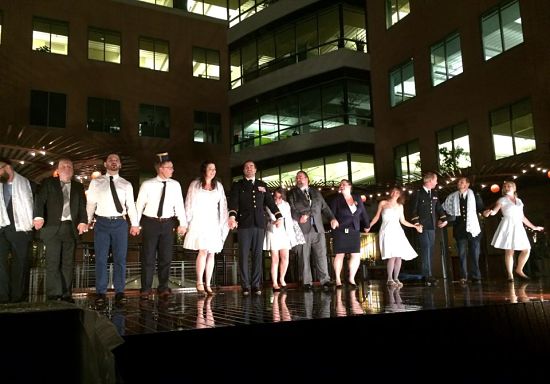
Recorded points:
(113, 234)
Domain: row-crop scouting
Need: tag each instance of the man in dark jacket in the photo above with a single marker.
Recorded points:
(426, 210)
(60, 215)
(247, 201)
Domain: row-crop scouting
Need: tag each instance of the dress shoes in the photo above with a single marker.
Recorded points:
(100, 299)
(256, 291)
(144, 295)
(120, 298)
(246, 291)
(165, 294)
(430, 281)
(53, 298)
(308, 287)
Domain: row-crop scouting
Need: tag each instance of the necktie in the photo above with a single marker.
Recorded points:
(66, 200)
(161, 204)
(308, 197)
(115, 195)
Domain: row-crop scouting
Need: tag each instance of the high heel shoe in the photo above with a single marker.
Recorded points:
(200, 288)
(209, 290)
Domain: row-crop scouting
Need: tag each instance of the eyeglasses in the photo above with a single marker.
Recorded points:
(168, 167)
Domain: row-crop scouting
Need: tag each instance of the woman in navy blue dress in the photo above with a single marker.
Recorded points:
(352, 217)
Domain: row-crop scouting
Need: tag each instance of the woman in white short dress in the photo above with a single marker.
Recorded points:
(206, 210)
(279, 240)
(394, 245)
(510, 234)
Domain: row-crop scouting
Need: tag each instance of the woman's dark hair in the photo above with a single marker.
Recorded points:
(202, 178)
(401, 198)
(280, 190)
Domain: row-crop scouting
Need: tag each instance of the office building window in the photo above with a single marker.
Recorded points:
(407, 162)
(206, 63)
(453, 148)
(104, 45)
(396, 10)
(153, 54)
(328, 170)
(339, 26)
(501, 29)
(207, 127)
(50, 36)
(103, 115)
(402, 86)
(513, 130)
(211, 8)
(446, 59)
(304, 111)
(238, 10)
(48, 109)
(154, 121)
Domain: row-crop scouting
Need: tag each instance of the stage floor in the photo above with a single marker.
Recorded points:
(188, 310)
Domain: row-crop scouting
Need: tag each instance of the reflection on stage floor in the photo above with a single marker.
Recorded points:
(188, 310)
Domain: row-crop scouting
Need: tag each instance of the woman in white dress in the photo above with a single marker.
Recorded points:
(279, 240)
(510, 234)
(206, 210)
(394, 245)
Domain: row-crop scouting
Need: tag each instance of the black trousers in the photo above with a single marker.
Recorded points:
(251, 239)
(158, 240)
(60, 261)
(14, 276)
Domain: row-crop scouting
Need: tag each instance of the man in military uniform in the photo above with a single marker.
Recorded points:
(426, 209)
(247, 201)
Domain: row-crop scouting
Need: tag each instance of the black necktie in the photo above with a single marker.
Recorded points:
(161, 204)
(115, 195)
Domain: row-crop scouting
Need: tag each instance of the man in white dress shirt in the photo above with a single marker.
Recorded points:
(160, 209)
(111, 199)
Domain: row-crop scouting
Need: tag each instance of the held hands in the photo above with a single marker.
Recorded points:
(419, 228)
(38, 223)
(232, 223)
(134, 231)
(278, 223)
(366, 230)
(488, 212)
(181, 230)
(82, 227)
(538, 228)
(334, 224)
(441, 224)
(303, 219)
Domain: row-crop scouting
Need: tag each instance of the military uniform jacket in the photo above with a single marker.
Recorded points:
(426, 210)
(247, 203)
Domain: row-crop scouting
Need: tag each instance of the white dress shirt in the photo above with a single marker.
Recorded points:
(100, 200)
(149, 198)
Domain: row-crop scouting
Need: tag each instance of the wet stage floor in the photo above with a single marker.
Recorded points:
(188, 310)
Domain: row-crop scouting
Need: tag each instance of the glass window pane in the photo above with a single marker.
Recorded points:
(285, 42)
(199, 127)
(57, 110)
(329, 31)
(213, 60)
(268, 123)
(146, 53)
(492, 41)
(199, 62)
(95, 45)
(271, 177)
(511, 25)
(333, 105)
(355, 33)
(307, 41)
(249, 60)
(502, 133)
(112, 116)
(522, 127)
(454, 56)
(409, 88)
(251, 127)
(112, 47)
(161, 56)
(95, 114)
(235, 64)
(288, 116)
(315, 170)
(358, 103)
(310, 110)
(162, 122)
(362, 169)
(288, 174)
(266, 52)
(39, 108)
(336, 168)
(146, 120)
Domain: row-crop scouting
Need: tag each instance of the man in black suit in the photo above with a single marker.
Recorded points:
(308, 207)
(60, 215)
(247, 201)
(426, 210)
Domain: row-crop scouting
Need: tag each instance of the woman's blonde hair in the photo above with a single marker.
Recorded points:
(512, 184)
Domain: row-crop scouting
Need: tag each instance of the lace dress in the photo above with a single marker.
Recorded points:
(206, 213)
(510, 233)
(392, 239)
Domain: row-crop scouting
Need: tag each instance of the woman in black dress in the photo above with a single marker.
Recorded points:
(352, 217)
